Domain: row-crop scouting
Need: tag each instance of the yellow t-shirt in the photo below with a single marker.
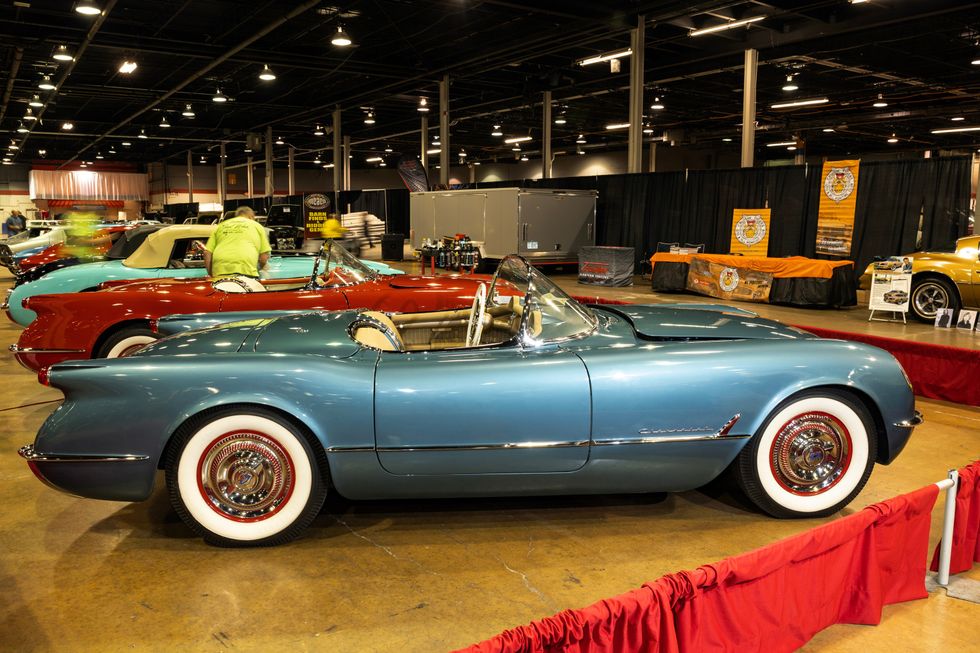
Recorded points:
(333, 229)
(235, 246)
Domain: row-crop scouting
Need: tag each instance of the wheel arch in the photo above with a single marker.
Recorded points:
(116, 328)
(935, 274)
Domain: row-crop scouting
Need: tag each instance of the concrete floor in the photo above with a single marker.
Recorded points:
(82, 575)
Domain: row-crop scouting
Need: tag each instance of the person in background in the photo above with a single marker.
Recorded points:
(366, 222)
(15, 223)
(239, 245)
(333, 229)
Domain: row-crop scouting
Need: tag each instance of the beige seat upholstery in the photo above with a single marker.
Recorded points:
(239, 284)
(375, 338)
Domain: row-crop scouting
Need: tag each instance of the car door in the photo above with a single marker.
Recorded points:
(482, 411)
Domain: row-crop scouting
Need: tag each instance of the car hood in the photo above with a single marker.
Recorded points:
(318, 333)
(677, 323)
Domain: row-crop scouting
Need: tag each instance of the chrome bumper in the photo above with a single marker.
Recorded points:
(27, 453)
(6, 299)
(910, 423)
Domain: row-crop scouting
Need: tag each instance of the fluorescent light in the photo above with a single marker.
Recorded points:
(328, 165)
(724, 26)
(45, 83)
(476, 163)
(619, 54)
(127, 66)
(125, 143)
(791, 148)
(799, 103)
(827, 130)
(61, 53)
(341, 38)
(781, 144)
(267, 75)
(219, 97)
(976, 62)
(517, 139)
(956, 130)
(727, 139)
(434, 150)
(188, 112)
(618, 125)
(87, 8)
(957, 118)
(373, 159)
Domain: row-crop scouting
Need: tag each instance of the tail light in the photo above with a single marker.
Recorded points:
(43, 376)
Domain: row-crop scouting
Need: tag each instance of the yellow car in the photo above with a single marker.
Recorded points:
(942, 279)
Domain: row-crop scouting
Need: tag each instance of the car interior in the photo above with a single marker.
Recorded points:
(187, 253)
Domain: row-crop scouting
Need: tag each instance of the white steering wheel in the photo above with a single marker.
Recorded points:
(474, 330)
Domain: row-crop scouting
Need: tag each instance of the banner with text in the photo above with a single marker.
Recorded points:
(723, 282)
(316, 208)
(838, 199)
(750, 232)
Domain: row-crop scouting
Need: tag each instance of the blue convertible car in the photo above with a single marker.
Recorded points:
(527, 392)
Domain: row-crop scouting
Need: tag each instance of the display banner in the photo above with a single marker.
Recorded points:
(750, 232)
(316, 208)
(891, 285)
(716, 280)
(413, 174)
(838, 199)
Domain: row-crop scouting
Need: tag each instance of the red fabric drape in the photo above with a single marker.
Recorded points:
(966, 526)
(936, 371)
(774, 598)
(109, 204)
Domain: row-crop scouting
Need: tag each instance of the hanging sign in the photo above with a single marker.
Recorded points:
(838, 200)
(316, 207)
(413, 175)
(750, 232)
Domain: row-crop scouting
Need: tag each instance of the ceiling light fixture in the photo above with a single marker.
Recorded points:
(727, 139)
(462, 154)
(496, 131)
(647, 129)
(799, 103)
(219, 97)
(725, 26)
(516, 148)
(13, 145)
(790, 85)
(125, 143)
(781, 144)
(524, 157)
(434, 150)
(956, 130)
(957, 118)
(279, 141)
(317, 160)
(561, 120)
(657, 104)
(619, 54)
(373, 159)
(369, 118)
(893, 139)
(88, 8)
(423, 105)
(791, 148)
(827, 130)
(267, 75)
(328, 165)
(21, 129)
(341, 38)
(35, 101)
(98, 155)
(618, 125)
(581, 139)
(29, 114)
(68, 126)
(517, 139)
(61, 53)
(45, 83)
(188, 111)
(388, 149)
(142, 134)
(164, 124)
(880, 102)
(127, 66)
(318, 130)
(476, 163)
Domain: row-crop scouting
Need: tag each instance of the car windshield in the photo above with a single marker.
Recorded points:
(335, 266)
(549, 314)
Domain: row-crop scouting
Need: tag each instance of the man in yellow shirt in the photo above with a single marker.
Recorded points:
(237, 246)
(332, 228)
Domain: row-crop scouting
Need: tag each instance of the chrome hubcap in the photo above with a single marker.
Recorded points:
(810, 453)
(929, 298)
(246, 476)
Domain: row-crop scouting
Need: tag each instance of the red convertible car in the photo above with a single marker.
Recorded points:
(116, 320)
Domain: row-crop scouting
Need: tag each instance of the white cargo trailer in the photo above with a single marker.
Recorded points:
(541, 224)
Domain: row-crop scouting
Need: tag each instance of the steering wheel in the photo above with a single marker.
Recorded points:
(474, 329)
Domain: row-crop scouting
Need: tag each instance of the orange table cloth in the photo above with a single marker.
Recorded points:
(780, 268)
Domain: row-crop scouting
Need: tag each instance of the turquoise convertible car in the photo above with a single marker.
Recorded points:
(527, 392)
(168, 252)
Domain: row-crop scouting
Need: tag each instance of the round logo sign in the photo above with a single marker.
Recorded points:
(750, 229)
(317, 201)
(728, 279)
(838, 184)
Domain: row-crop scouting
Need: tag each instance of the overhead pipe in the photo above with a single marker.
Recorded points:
(14, 68)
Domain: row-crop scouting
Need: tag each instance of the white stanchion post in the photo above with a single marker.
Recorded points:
(949, 515)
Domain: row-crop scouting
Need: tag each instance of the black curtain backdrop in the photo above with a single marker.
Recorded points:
(901, 206)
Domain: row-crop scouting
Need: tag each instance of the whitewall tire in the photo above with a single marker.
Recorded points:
(812, 456)
(245, 477)
(127, 341)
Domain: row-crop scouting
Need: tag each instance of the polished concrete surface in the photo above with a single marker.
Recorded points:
(83, 575)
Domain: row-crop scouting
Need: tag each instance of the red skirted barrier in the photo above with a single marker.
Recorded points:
(966, 527)
(774, 598)
(936, 371)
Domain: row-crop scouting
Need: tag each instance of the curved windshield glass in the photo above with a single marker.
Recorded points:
(335, 266)
(548, 313)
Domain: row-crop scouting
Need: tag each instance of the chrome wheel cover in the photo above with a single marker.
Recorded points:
(245, 476)
(810, 453)
(928, 298)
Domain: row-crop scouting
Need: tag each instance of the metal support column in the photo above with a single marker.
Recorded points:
(546, 135)
(444, 130)
(270, 188)
(222, 177)
(250, 176)
(346, 156)
(634, 156)
(748, 107)
(652, 163)
(292, 170)
(424, 144)
(339, 163)
(190, 178)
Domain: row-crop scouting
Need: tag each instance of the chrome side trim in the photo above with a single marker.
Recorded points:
(29, 350)
(910, 423)
(27, 453)
(488, 447)
(349, 449)
(670, 438)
